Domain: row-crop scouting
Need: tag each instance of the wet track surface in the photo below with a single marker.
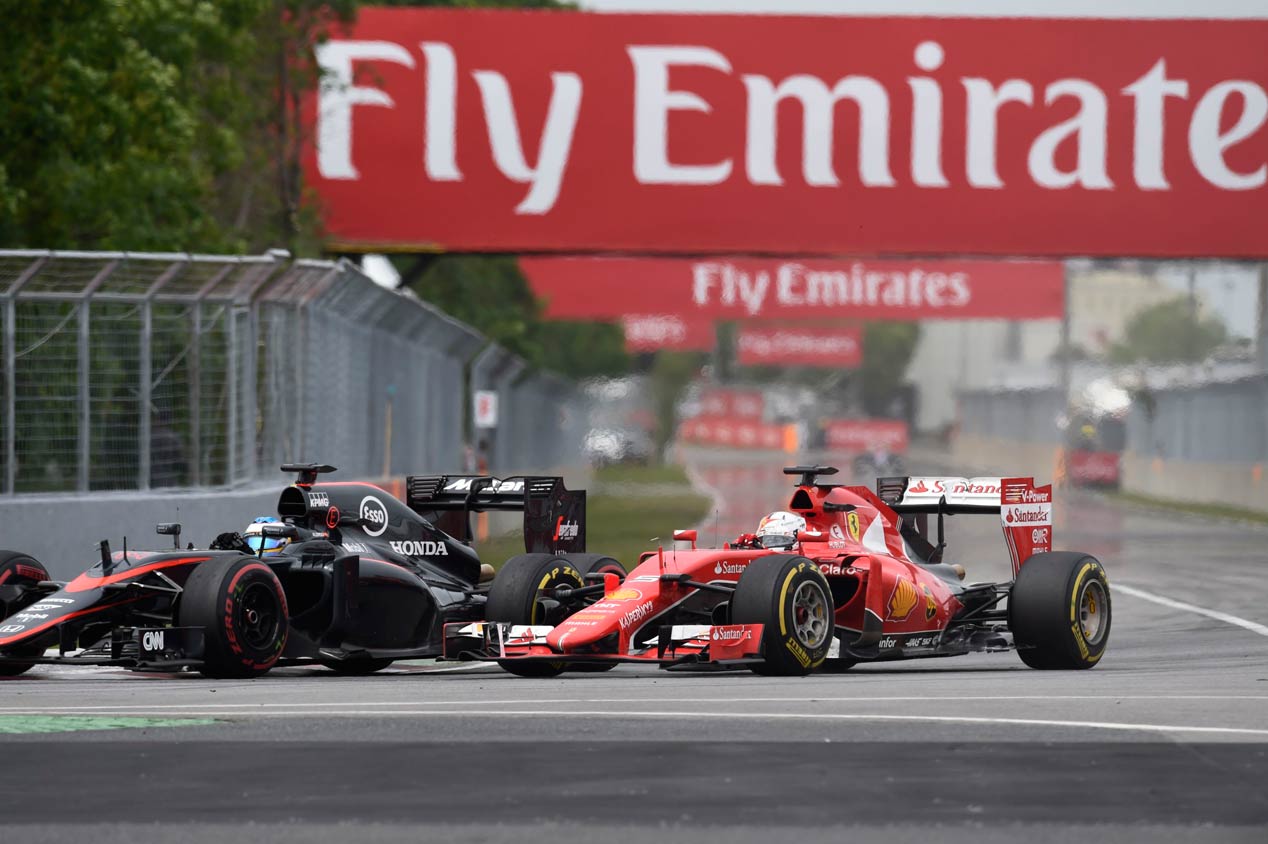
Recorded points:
(1167, 739)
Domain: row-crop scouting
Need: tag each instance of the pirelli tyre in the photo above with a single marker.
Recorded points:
(240, 605)
(791, 597)
(589, 564)
(1059, 611)
(19, 572)
(520, 594)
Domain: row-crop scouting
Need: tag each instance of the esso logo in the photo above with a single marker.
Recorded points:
(373, 516)
(152, 640)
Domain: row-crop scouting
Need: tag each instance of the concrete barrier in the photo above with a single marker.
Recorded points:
(1199, 482)
(62, 531)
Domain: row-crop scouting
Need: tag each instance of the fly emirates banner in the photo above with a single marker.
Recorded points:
(566, 131)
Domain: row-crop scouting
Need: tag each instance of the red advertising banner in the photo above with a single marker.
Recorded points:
(738, 404)
(653, 332)
(559, 131)
(737, 433)
(839, 348)
(867, 435)
(739, 288)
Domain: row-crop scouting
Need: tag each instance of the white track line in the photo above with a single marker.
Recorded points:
(387, 706)
(1253, 627)
(785, 716)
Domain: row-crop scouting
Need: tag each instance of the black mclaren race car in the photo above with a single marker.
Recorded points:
(348, 576)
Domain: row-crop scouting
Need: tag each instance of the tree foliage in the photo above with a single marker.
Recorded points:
(1169, 332)
(492, 295)
(887, 351)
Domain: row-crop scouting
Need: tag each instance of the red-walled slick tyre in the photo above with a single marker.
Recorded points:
(241, 607)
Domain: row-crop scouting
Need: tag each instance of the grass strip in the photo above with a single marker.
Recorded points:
(1220, 511)
(28, 724)
(626, 523)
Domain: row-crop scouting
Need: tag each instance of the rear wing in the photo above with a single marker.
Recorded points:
(554, 516)
(1025, 510)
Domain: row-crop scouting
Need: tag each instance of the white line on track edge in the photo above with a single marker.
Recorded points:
(1252, 626)
(809, 716)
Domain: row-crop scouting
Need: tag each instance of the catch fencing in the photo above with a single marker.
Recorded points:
(127, 371)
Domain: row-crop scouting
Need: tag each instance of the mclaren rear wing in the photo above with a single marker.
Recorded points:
(554, 516)
(1025, 510)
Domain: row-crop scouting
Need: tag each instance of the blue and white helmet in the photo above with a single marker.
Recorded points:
(780, 529)
(255, 537)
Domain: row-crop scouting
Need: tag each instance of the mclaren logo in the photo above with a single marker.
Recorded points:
(903, 601)
(420, 548)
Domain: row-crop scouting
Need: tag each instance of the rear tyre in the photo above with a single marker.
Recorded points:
(1059, 611)
(356, 667)
(241, 607)
(520, 595)
(19, 572)
(789, 595)
(595, 564)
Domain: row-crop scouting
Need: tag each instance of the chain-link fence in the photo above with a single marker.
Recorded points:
(130, 371)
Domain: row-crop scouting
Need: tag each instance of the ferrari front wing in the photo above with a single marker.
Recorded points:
(719, 645)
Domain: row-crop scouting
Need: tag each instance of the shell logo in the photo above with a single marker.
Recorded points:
(903, 600)
(624, 595)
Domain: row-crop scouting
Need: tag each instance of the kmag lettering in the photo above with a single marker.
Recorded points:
(373, 516)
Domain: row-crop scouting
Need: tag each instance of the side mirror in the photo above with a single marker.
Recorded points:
(811, 536)
(686, 536)
(172, 529)
(833, 507)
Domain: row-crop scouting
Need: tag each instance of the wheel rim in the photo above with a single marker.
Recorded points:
(259, 615)
(812, 622)
(1093, 612)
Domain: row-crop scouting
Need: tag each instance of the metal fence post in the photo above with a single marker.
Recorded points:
(10, 395)
(85, 411)
(194, 387)
(145, 385)
(231, 385)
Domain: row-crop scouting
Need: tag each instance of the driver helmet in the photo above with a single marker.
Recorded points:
(779, 529)
(271, 545)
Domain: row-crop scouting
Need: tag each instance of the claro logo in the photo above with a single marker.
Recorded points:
(373, 516)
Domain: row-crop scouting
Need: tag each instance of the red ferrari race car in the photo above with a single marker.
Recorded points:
(863, 580)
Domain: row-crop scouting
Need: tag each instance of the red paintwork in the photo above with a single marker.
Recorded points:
(88, 580)
(863, 545)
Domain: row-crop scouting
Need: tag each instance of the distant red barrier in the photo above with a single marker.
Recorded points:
(733, 432)
(1093, 468)
(867, 435)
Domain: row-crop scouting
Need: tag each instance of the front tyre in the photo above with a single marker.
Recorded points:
(240, 605)
(1059, 611)
(789, 595)
(520, 594)
(19, 573)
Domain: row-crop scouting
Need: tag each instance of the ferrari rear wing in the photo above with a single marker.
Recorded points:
(554, 516)
(947, 495)
(1025, 510)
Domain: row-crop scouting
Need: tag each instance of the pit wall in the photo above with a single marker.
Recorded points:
(1240, 485)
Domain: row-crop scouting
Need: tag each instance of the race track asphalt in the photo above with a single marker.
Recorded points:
(1166, 740)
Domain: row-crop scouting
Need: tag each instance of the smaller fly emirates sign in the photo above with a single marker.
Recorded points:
(595, 288)
(799, 346)
(558, 131)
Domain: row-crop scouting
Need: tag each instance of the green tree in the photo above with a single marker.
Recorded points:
(1169, 332)
(887, 351)
(490, 294)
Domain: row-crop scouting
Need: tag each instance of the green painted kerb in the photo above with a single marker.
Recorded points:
(16, 724)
